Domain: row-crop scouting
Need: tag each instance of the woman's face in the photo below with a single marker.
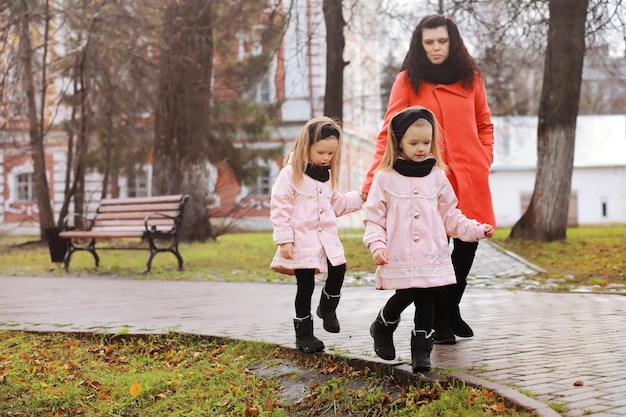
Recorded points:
(436, 44)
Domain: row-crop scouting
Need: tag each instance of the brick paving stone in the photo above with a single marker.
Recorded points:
(539, 342)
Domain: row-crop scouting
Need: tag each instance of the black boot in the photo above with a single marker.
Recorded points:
(421, 346)
(462, 260)
(382, 332)
(441, 323)
(326, 311)
(458, 326)
(305, 340)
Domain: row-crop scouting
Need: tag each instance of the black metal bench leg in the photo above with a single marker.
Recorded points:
(154, 249)
(95, 256)
(72, 248)
(68, 256)
(178, 256)
(153, 252)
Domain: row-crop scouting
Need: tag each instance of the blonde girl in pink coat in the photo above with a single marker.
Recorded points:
(439, 73)
(410, 210)
(304, 208)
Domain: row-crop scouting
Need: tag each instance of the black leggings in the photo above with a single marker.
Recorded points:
(463, 255)
(423, 298)
(305, 279)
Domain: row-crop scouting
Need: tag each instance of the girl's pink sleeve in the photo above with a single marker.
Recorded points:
(398, 100)
(345, 203)
(374, 215)
(455, 222)
(281, 207)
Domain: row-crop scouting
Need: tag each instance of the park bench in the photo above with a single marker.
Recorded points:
(152, 219)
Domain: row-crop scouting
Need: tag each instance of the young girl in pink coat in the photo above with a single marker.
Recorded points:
(410, 209)
(439, 73)
(304, 208)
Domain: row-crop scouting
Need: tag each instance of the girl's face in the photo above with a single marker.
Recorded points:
(416, 142)
(322, 152)
(436, 44)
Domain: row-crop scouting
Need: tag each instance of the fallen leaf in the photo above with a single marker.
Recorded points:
(579, 383)
(135, 389)
(498, 408)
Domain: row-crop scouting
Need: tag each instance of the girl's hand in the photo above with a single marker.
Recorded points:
(489, 229)
(363, 196)
(286, 250)
(380, 256)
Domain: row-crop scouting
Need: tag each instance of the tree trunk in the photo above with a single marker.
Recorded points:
(335, 43)
(182, 115)
(546, 216)
(35, 126)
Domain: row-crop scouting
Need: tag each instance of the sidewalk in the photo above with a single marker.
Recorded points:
(539, 343)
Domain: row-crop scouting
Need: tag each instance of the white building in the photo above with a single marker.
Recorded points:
(598, 180)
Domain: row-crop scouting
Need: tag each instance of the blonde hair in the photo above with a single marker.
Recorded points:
(310, 134)
(393, 151)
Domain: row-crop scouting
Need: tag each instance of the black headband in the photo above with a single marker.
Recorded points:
(326, 132)
(401, 122)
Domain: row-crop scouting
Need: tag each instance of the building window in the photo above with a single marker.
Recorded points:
(262, 185)
(25, 187)
(138, 185)
(263, 90)
(260, 182)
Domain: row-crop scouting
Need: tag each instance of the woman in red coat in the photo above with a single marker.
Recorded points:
(439, 74)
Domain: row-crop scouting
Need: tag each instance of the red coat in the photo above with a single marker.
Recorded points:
(466, 138)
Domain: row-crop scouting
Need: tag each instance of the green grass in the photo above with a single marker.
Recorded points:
(589, 256)
(53, 374)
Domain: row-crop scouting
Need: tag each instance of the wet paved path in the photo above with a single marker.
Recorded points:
(537, 342)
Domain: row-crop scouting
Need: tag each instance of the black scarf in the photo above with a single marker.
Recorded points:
(409, 168)
(444, 73)
(318, 172)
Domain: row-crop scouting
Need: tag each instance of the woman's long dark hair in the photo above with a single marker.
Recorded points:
(416, 59)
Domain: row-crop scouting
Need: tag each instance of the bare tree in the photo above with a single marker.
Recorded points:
(213, 56)
(182, 118)
(335, 43)
(25, 16)
(546, 217)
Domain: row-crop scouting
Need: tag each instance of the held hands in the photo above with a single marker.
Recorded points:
(286, 250)
(380, 256)
(489, 229)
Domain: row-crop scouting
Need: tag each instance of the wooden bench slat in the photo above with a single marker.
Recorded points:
(138, 208)
(76, 234)
(103, 224)
(134, 215)
(142, 200)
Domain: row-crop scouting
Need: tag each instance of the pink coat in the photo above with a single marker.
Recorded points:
(306, 215)
(409, 217)
(466, 138)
